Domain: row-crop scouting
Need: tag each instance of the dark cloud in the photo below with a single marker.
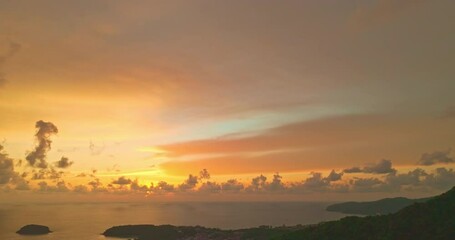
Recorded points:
(334, 176)
(353, 170)
(8, 175)
(97, 186)
(60, 186)
(382, 167)
(13, 48)
(80, 189)
(204, 174)
(136, 187)
(366, 184)
(6, 167)
(210, 187)
(189, 184)
(122, 181)
(232, 185)
(442, 178)
(257, 184)
(162, 187)
(413, 178)
(316, 182)
(276, 184)
(37, 157)
(47, 173)
(435, 157)
(64, 162)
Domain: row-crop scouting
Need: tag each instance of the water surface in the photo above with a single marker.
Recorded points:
(87, 220)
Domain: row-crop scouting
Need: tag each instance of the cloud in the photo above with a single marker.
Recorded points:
(413, 178)
(307, 145)
(210, 187)
(316, 182)
(276, 184)
(436, 157)
(122, 181)
(204, 174)
(136, 187)
(381, 11)
(189, 184)
(7, 172)
(80, 189)
(232, 185)
(60, 186)
(37, 157)
(8, 175)
(162, 187)
(443, 178)
(13, 48)
(382, 167)
(257, 184)
(47, 173)
(64, 162)
(366, 184)
(96, 150)
(334, 176)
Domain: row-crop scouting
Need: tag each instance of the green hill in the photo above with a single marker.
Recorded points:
(433, 219)
(380, 207)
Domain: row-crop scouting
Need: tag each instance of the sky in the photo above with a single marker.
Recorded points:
(226, 99)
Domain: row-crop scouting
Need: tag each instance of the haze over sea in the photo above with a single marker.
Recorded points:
(88, 220)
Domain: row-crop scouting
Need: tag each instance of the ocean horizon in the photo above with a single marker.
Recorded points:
(89, 220)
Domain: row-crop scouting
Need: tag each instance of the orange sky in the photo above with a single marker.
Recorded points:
(156, 90)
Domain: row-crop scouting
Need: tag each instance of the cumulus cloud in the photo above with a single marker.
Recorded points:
(204, 174)
(80, 189)
(436, 157)
(257, 184)
(316, 181)
(8, 175)
(210, 187)
(366, 184)
(162, 187)
(334, 176)
(232, 185)
(37, 157)
(189, 184)
(135, 186)
(382, 167)
(122, 181)
(60, 186)
(276, 184)
(6, 167)
(48, 173)
(64, 162)
(443, 178)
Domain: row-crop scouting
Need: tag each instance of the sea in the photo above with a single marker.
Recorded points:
(86, 221)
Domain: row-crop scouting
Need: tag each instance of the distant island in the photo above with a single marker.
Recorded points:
(431, 219)
(379, 207)
(33, 229)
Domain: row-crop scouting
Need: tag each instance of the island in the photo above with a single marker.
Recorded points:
(430, 219)
(379, 207)
(33, 229)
